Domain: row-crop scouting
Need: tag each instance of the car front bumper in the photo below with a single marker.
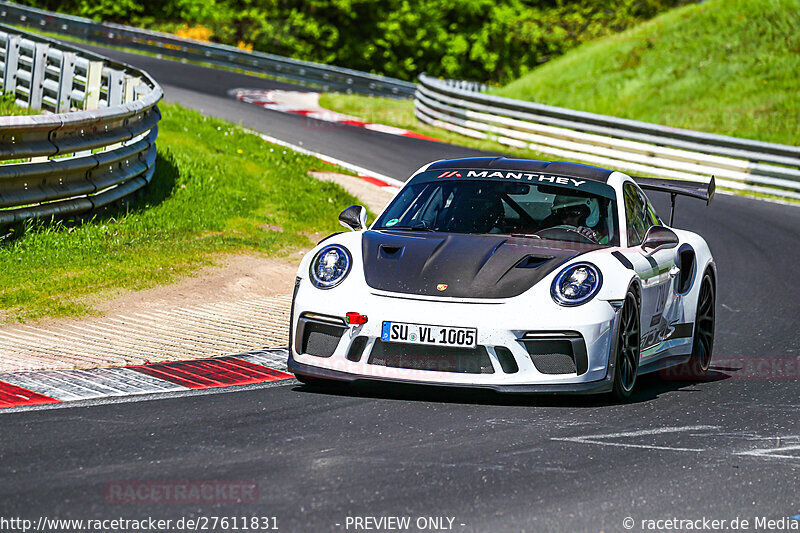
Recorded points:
(507, 324)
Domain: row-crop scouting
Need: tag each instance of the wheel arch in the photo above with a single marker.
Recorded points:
(636, 286)
(711, 268)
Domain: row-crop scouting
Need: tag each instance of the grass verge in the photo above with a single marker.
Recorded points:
(216, 190)
(723, 66)
(9, 108)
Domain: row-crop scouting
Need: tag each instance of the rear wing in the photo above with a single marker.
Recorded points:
(693, 189)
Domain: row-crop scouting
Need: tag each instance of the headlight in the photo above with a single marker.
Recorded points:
(330, 266)
(576, 284)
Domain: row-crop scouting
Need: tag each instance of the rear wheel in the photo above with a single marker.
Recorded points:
(628, 349)
(703, 344)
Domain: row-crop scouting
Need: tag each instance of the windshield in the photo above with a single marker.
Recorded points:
(484, 206)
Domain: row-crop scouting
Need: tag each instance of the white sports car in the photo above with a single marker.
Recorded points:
(513, 275)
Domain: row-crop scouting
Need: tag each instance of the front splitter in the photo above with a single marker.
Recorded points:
(589, 387)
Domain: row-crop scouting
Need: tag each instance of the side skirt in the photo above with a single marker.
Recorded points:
(664, 362)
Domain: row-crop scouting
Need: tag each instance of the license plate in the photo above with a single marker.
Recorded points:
(427, 334)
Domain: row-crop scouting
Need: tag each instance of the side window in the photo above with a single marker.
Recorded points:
(430, 208)
(651, 215)
(637, 216)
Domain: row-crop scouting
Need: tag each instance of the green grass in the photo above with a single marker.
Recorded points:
(9, 108)
(216, 190)
(724, 66)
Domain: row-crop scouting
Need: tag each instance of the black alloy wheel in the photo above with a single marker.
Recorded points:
(703, 344)
(628, 349)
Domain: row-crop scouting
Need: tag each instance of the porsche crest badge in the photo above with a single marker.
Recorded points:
(440, 287)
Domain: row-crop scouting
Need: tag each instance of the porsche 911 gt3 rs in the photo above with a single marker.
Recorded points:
(514, 275)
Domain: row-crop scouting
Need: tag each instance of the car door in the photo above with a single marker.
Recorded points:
(656, 271)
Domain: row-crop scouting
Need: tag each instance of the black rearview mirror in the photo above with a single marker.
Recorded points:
(354, 217)
(659, 238)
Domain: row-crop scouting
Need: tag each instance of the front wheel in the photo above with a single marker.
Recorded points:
(627, 349)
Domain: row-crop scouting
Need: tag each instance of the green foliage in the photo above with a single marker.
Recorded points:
(724, 66)
(216, 190)
(96, 9)
(485, 40)
(8, 107)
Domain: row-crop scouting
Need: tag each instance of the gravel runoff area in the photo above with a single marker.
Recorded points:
(167, 334)
(238, 306)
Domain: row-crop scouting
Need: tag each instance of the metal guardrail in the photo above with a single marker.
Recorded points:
(628, 145)
(95, 141)
(326, 77)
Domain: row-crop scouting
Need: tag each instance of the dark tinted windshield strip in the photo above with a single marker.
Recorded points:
(582, 184)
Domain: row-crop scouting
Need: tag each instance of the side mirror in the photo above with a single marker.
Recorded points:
(354, 217)
(659, 238)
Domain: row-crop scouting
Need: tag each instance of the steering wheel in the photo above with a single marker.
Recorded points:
(422, 223)
(570, 229)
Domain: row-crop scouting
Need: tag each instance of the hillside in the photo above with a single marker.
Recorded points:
(724, 66)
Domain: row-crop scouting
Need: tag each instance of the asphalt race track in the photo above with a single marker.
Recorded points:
(725, 448)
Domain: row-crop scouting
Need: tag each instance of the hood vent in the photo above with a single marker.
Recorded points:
(391, 252)
(468, 266)
(533, 261)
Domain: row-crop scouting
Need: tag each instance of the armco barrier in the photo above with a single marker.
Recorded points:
(95, 141)
(326, 77)
(629, 145)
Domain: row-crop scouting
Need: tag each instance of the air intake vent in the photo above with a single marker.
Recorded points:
(532, 261)
(391, 252)
(557, 353)
(357, 349)
(435, 358)
(506, 358)
(554, 363)
(318, 334)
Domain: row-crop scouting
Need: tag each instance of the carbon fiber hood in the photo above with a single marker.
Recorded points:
(471, 266)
